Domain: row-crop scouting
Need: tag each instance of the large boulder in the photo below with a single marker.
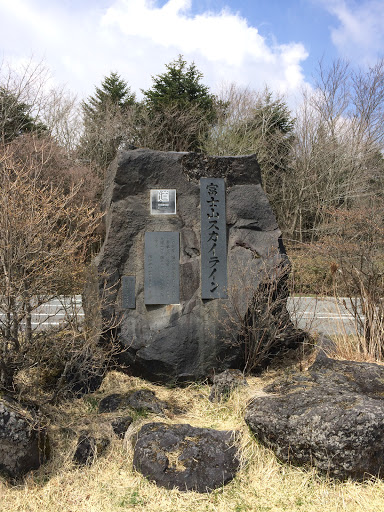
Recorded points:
(185, 457)
(23, 441)
(331, 417)
(186, 341)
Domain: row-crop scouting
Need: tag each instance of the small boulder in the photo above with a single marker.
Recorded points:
(186, 457)
(224, 383)
(120, 425)
(111, 403)
(141, 400)
(146, 400)
(88, 448)
(24, 442)
(331, 417)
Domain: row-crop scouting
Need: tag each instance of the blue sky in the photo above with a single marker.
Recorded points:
(253, 43)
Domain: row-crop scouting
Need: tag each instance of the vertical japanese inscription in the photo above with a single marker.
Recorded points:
(161, 267)
(213, 239)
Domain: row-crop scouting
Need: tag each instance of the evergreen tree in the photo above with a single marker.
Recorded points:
(114, 91)
(180, 85)
(180, 107)
(16, 117)
(103, 119)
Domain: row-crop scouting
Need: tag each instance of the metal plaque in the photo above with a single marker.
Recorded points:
(163, 202)
(214, 281)
(161, 267)
(128, 292)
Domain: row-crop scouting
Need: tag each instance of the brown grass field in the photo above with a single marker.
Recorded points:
(110, 484)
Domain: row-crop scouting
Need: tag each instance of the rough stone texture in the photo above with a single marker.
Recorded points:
(186, 457)
(224, 383)
(141, 400)
(331, 417)
(112, 403)
(183, 342)
(23, 442)
(120, 425)
(88, 448)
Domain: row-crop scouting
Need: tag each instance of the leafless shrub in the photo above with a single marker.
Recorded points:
(22, 96)
(336, 159)
(44, 247)
(256, 315)
(354, 246)
(68, 359)
(170, 128)
(60, 112)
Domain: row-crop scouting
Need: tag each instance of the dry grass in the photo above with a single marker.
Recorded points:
(110, 485)
(351, 347)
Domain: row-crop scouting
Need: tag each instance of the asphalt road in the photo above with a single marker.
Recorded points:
(326, 315)
(55, 312)
(317, 315)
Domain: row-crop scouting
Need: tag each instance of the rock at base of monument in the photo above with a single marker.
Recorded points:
(146, 364)
(224, 383)
(24, 444)
(88, 448)
(186, 457)
(330, 417)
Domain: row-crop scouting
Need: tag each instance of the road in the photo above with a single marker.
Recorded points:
(326, 315)
(317, 315)
(55, 312)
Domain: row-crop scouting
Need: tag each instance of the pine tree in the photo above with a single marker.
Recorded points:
(180, 85)
(16, 117)
(103, 119)
(114, 91)
(180, 107)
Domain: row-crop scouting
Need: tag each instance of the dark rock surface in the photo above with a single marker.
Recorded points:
(112, 403)
(331, 417)
(140, 400)
(24, 443)
(88, 448)
(224, 383)
(186, 457)
(120, 425)
(183, 342)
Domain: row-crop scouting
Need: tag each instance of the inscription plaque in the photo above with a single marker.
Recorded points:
(128, 293)
(161, 267)
(163, 202)
(214, 281)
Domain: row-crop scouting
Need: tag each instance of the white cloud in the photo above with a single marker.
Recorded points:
(137, 38)
(360, 35)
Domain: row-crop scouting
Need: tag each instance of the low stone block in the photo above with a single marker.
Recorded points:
(186, 457)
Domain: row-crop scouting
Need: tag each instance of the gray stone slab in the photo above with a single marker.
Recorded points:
(214, 280)
(128, 292)
(161, 267)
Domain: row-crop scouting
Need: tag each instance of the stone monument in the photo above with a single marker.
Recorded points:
(184, 231)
